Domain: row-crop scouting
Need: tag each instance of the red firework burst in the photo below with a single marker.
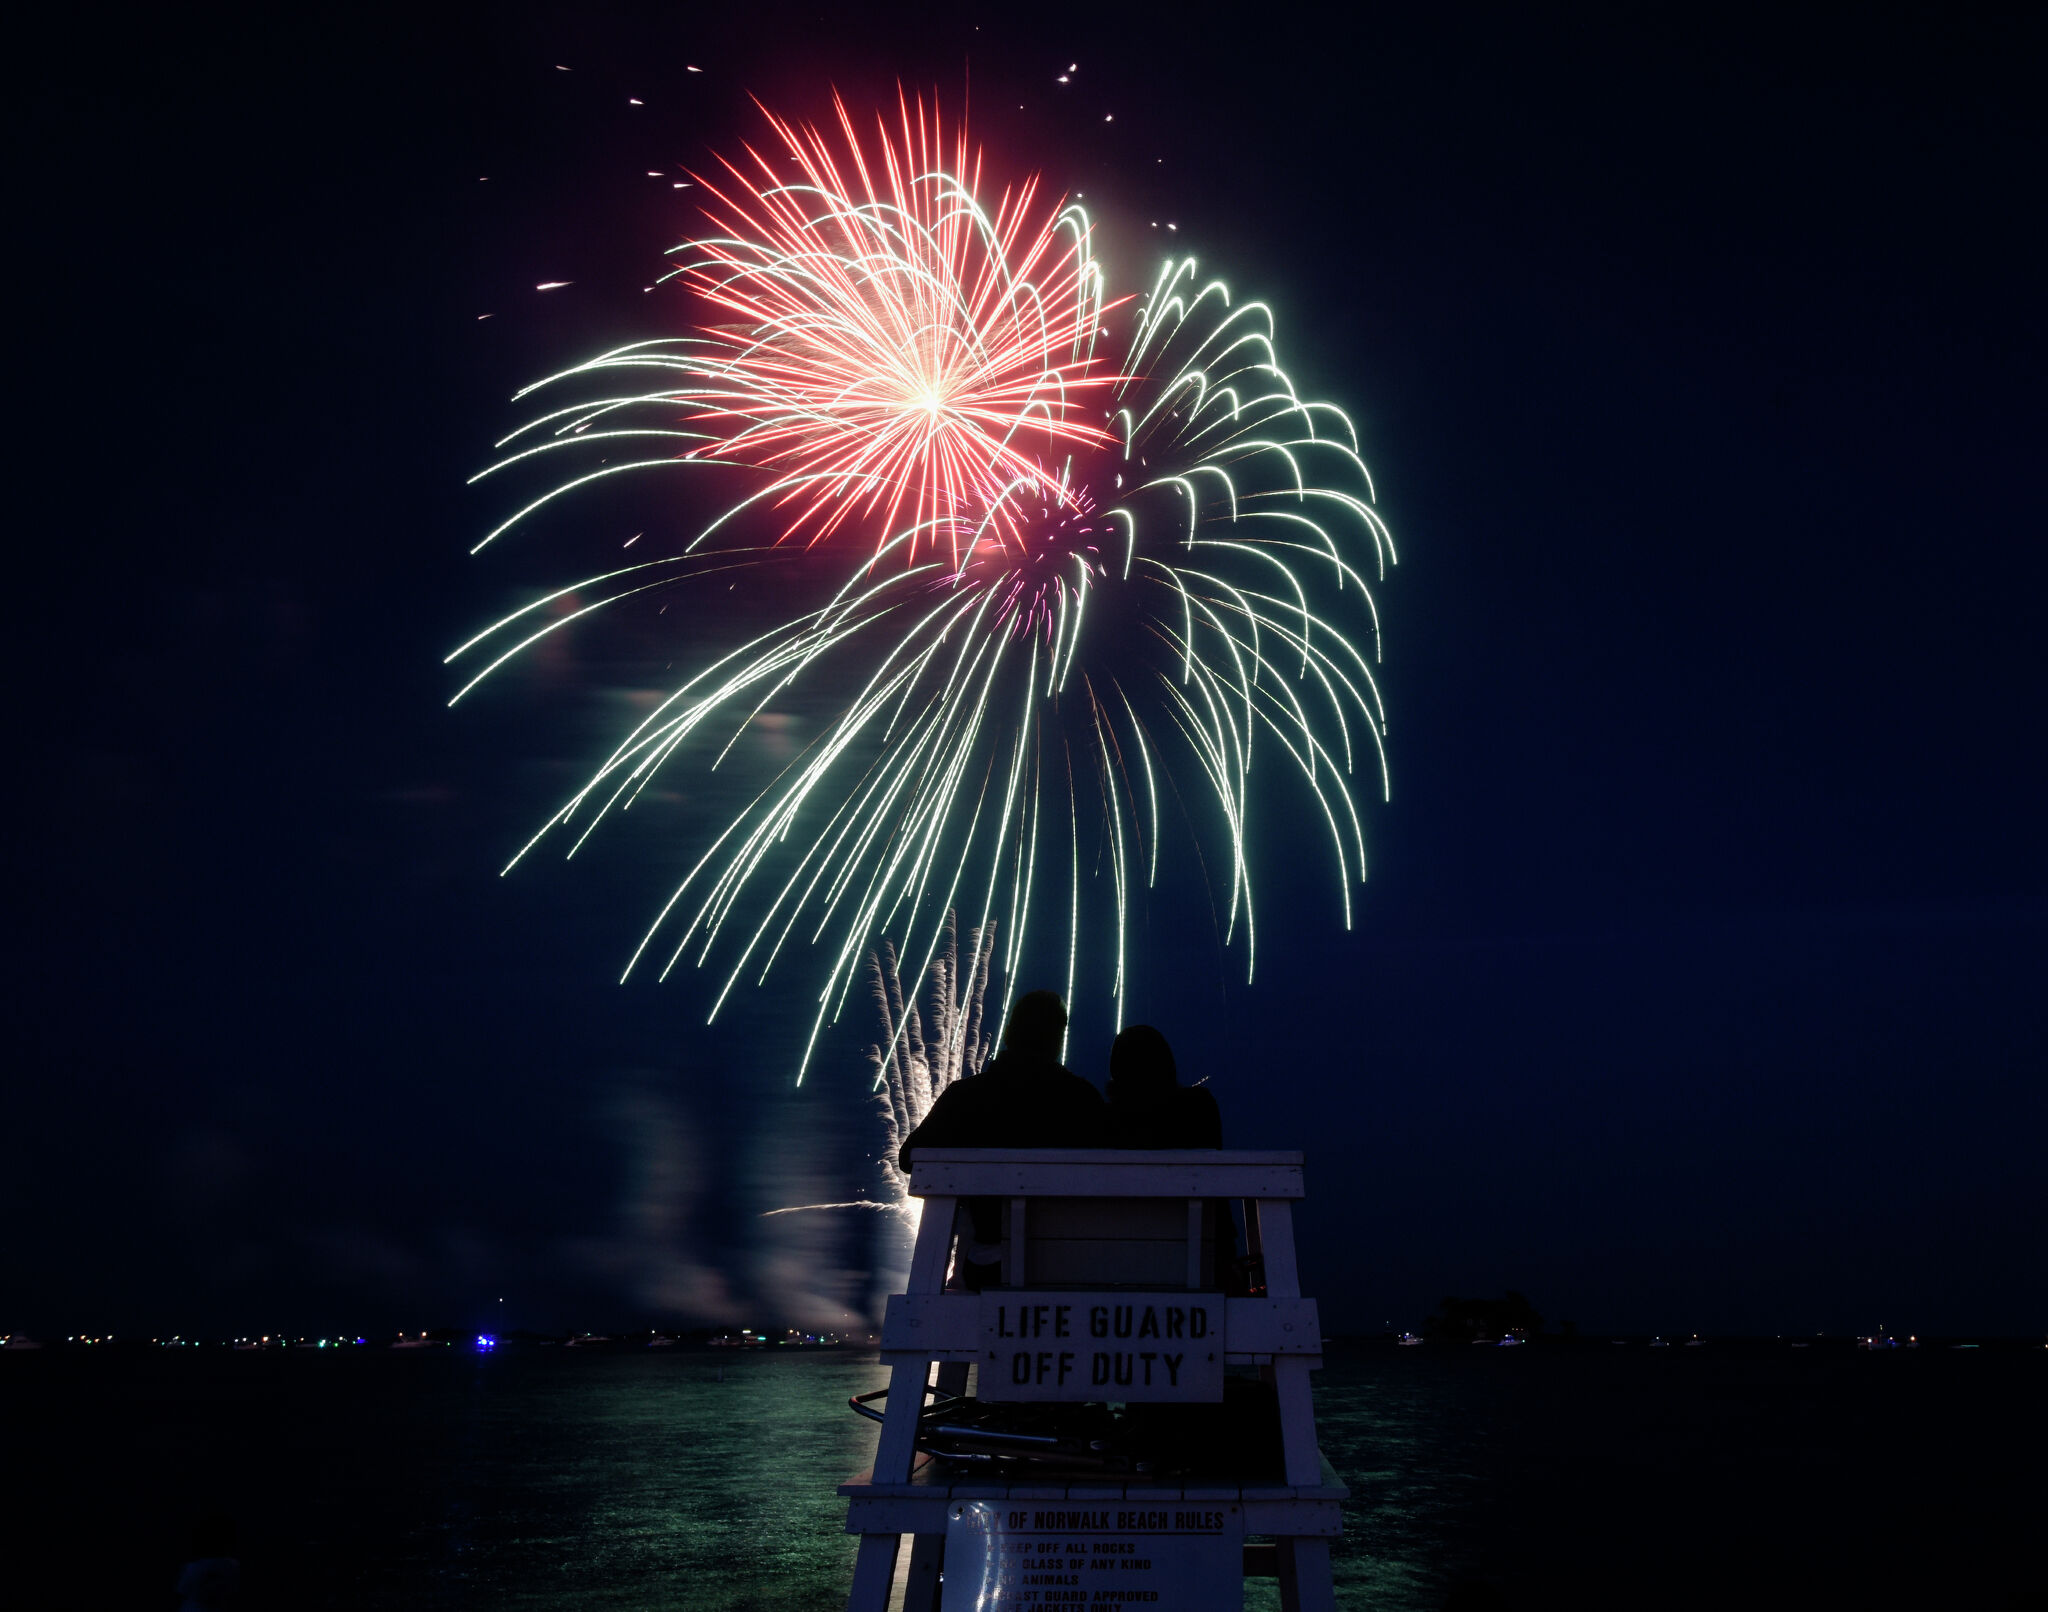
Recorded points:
(898, 348)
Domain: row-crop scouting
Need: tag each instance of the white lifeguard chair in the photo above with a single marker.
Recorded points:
(1104, 1252)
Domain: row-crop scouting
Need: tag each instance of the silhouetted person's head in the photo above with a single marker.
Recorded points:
(1141, 1064)
(1037, 1027)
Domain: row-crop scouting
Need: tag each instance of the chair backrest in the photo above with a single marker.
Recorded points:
(1111, 1242)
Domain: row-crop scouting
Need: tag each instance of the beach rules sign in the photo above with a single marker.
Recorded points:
(1097, 1345)
(1165, 1556)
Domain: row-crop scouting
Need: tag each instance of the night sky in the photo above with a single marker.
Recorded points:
(1698, 982)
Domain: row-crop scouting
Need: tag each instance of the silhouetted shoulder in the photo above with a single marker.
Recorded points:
(1084, 1115)
(954, 1120)
(1200, 1121)
(1179, 1116)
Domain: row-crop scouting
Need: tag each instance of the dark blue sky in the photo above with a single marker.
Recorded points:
(1697, 984)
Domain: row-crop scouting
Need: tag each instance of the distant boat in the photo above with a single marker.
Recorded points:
(661, 1340)
(590, 1340)
(1695, 1343)
(1660, 1343)
(1512, 1342)
(1408, 1340)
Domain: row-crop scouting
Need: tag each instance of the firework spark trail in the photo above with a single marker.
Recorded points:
(889, 348)
(976, 708)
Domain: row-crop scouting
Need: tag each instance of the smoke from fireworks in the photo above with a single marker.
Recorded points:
(1186, 590)
(926, 1045)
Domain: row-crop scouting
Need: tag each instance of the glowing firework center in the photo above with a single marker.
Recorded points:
(901, 349)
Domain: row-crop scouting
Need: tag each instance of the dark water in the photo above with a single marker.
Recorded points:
(1543, 1477)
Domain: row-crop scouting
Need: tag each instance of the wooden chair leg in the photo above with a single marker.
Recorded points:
(921, 1588)
(1290, 1378)
(896, 1449)
(874, 1573)
(1305, 1583)
(934, 1246)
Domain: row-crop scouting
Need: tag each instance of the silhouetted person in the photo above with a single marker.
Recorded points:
(1023, 1097)
(1148, 1106)
(208, 1582)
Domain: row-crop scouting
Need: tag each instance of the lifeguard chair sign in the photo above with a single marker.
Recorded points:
(1136, 1348)
(1100, 1554)
(1110, 1295)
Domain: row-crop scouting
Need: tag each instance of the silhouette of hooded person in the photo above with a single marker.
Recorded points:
(1148, 1106)
(1023, 1097)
